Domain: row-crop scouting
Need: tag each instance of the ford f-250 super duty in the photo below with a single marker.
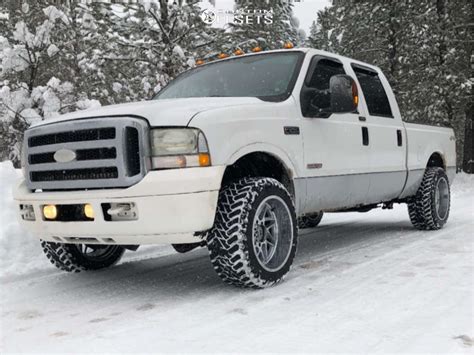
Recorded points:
(231, 155)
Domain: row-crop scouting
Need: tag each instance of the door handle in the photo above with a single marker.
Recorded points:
(362, 118)
(399, 137)
(365, 136)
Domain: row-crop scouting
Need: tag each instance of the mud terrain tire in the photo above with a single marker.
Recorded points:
(71, 258)
(253, 241)
(429, 208)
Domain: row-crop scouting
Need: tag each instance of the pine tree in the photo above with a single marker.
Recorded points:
(265, 24)
(157, 41)
(418, 45)
(77, 55)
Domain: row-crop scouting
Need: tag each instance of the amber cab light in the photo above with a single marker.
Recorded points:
(239, 52)
(288, 45)
(256, 49)
(222, 55)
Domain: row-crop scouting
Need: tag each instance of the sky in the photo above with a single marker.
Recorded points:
(304, 10)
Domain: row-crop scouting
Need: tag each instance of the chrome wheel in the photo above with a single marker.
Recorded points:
(272, 233)
(442, 198)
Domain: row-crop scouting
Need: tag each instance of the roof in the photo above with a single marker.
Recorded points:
(305, 50)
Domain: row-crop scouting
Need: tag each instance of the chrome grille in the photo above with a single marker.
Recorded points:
(107, 152)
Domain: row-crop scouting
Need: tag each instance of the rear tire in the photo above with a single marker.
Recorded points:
(310, 220)
(253, 240)
(82, 257)
(429, 208)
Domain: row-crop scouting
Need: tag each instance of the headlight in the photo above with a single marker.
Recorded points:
(178, 148)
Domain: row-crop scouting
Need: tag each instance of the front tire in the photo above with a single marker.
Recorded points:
(429, 208)
(253, 240)
(82, 257)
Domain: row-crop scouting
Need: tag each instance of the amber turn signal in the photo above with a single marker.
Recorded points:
(355, 94)
(204, 159)
(50, 211)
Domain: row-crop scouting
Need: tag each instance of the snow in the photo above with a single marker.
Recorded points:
(179, 52)
(25, 7)
(27, 256)
(361, 282)
(53, 14)
(22, 34)
(87, 104)
(52, 50)
(117, 87)
(30, 115)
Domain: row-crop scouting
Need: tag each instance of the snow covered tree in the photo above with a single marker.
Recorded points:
(45, 55)
(77, 55)
(28, 92)
(322, 35)
(420, 46)
(264, 23)
(157, 41)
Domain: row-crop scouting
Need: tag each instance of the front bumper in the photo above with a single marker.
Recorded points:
(173, 207)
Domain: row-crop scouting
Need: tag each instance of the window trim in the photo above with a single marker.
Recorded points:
(356, 66)
(314, 62)
(309, 74)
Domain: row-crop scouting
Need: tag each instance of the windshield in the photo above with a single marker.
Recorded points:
(270, 77)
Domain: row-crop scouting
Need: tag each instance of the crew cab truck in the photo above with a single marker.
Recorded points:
(231, 155)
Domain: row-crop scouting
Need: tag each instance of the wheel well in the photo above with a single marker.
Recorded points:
(436, 160)
(259, 164)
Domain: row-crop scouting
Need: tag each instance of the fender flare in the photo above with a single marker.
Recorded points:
(269, 149)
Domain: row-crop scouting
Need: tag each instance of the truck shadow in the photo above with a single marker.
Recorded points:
(178, 276)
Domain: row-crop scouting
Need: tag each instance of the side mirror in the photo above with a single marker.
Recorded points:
(344, 94)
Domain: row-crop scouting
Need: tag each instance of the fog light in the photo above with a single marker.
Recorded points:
(50, 211)
(89, 211)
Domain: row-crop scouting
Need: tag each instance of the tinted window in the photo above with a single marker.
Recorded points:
(266, 76)
(316, 96)
(374, 93)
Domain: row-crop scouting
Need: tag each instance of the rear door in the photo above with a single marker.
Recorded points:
(386, 136)
(335, 157)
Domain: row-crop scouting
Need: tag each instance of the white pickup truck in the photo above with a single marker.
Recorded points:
(231, 155)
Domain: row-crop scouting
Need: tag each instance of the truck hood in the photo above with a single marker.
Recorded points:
(172, 112)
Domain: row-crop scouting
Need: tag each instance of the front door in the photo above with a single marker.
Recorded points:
(336, 158)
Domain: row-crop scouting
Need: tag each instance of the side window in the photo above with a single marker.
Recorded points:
(374, 93)
(315, 96)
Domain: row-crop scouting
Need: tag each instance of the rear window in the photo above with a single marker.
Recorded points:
(374, 93)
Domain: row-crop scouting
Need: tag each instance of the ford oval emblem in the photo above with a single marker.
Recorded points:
(64, 156)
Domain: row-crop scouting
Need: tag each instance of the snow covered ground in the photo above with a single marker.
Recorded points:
(360, 283)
